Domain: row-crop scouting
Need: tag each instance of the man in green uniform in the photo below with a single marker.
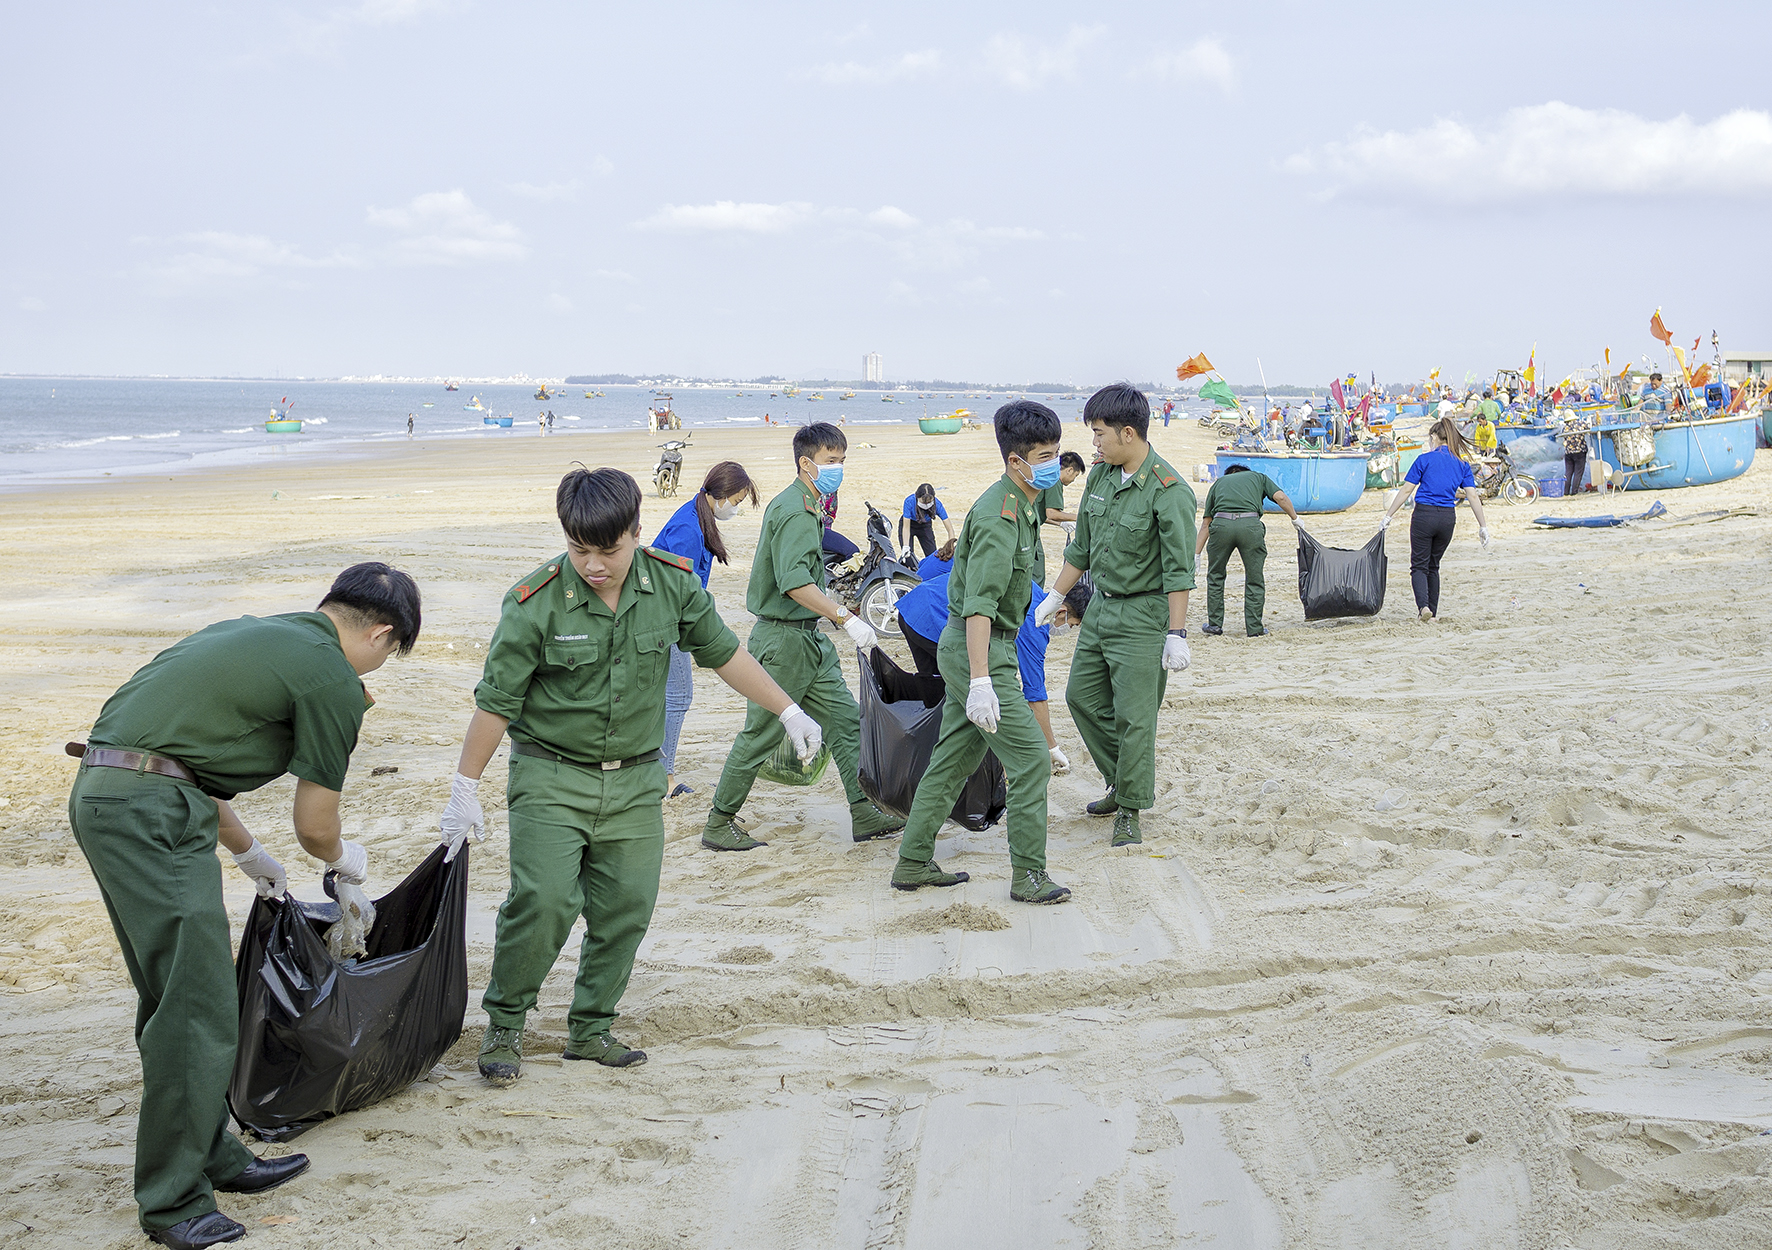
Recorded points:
(996, 566)
(1234, 524)
(1051, 503)
(231, 708)
(1135, 535)
(786, 594)
(576, 672)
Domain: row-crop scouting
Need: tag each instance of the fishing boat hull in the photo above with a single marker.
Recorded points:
(939, 425)
(283, 427)
(1689, 453)
(1314, 481)
(501, 422)
(1508, 434)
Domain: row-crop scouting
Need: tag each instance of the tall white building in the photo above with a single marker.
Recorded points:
(872, 370)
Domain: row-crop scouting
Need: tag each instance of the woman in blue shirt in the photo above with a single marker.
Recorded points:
(693, 532)
(1436, 479)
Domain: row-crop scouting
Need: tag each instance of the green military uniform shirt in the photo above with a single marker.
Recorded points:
(588, 683)
(1240, 492)
(1051, 497)
(998, 560)
(242, 702)
(790, 554)
(1137, 536)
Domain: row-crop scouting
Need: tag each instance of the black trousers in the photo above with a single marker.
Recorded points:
(923, 535)
(1430, 533)
(924, 686)
(1574, 472)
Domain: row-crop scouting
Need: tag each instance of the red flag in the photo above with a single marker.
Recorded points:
(1701, 375)
(1659, 330)
(1335, 392)
(1193, 367)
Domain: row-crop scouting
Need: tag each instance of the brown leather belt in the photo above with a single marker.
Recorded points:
(134, 761)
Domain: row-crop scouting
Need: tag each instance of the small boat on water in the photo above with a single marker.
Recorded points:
(1315, 481)
(940, 425)
(502, 422)
(887, 399)
(475, 406)
(281, 422)
(541, 392)
(847, 395)
(450, 386)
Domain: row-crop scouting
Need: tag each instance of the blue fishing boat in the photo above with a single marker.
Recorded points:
(1680, 453)
(1315, 481)
(504, 422)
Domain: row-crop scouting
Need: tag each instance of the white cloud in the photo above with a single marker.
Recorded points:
(1553, 150)
(1204, 60)
(547, 192)
(1026, 65)
(218, 255)
(895, 218)
(909, 65)
(730, 215)
(445, 228)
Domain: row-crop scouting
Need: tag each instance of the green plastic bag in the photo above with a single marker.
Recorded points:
(785, 769)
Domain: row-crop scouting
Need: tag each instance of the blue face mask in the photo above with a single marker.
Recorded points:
(1045, 475)
(830, 476)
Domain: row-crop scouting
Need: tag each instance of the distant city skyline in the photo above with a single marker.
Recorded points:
(872, 369)
(413, 187)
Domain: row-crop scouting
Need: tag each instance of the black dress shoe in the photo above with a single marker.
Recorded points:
(1212, 629)
(200, 1230)
(263, 1174)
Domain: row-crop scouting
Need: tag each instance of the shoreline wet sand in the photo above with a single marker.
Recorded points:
(1451, 935)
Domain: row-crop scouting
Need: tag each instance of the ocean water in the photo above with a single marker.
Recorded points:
(57, 429)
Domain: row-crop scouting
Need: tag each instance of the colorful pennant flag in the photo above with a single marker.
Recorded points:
(1193, 367)
(1659, 330)
(1220, 393)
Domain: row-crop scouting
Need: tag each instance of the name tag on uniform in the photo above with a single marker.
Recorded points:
(571, 637)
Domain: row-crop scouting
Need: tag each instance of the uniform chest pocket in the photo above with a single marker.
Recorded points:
(652, 655)
(572, 666)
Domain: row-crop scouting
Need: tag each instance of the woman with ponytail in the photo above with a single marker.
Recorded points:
(693, 532)
(1436, 479)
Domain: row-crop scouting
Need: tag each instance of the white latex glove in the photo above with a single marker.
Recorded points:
(1061, 763)
(1297, 522)
(1483, 533)
(982, 708)
(803, 731)
(1048, 608)
(266, 873)
(352, 864)
(860, 633)
(1384, 524)
(1069, 528)
(1176, 657)
(461, 816)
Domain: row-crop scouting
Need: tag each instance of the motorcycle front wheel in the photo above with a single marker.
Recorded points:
(879, 603)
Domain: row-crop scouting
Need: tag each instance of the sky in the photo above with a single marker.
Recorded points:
(986, 192)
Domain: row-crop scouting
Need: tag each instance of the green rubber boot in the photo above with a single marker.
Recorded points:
(867, 821)
(501, 1054)
(723, 833)
(910, 875)
(606, 1051)
(1126, 830)
(1031, 886)
(1105, 805)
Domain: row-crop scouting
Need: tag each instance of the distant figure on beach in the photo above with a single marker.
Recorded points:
(1655, 398)
(1436, 479)
(1574, 438)
(409, 425)
(550, 421)
(921, 508)
(1232, 525)
(1168, 411)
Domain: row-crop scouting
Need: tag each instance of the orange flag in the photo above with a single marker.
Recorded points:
(1701, 375)
(1659, 330)
(1194, 367)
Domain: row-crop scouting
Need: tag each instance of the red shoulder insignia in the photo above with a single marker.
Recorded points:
(541, 577)
(368, 699)
(671, 558)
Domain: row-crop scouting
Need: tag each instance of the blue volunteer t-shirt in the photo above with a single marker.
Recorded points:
(1439, 475)
(925, 610)
(934, 566)
(682, 536)
(910, 508)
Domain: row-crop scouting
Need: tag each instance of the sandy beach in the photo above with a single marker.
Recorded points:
(1451, 935)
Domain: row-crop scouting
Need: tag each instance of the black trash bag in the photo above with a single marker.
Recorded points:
(319, 1038)
(897, 740)
(1333, 581)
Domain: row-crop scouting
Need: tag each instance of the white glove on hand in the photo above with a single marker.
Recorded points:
(1297, 522)
(1483, 533)
(266, 873)
(982, 708)
(461, 816)
(1069, 528)
(1061, 763)
(860, 634)
(352, 864)
(1048, 608)
(1384, 524)
(1176, 657)
(803, 731)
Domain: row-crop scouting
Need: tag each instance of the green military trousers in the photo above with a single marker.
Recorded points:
(804, 664)
(151, 843)
(1018, 742)
(588, 842)
(1116, 686)
(1247, 536)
